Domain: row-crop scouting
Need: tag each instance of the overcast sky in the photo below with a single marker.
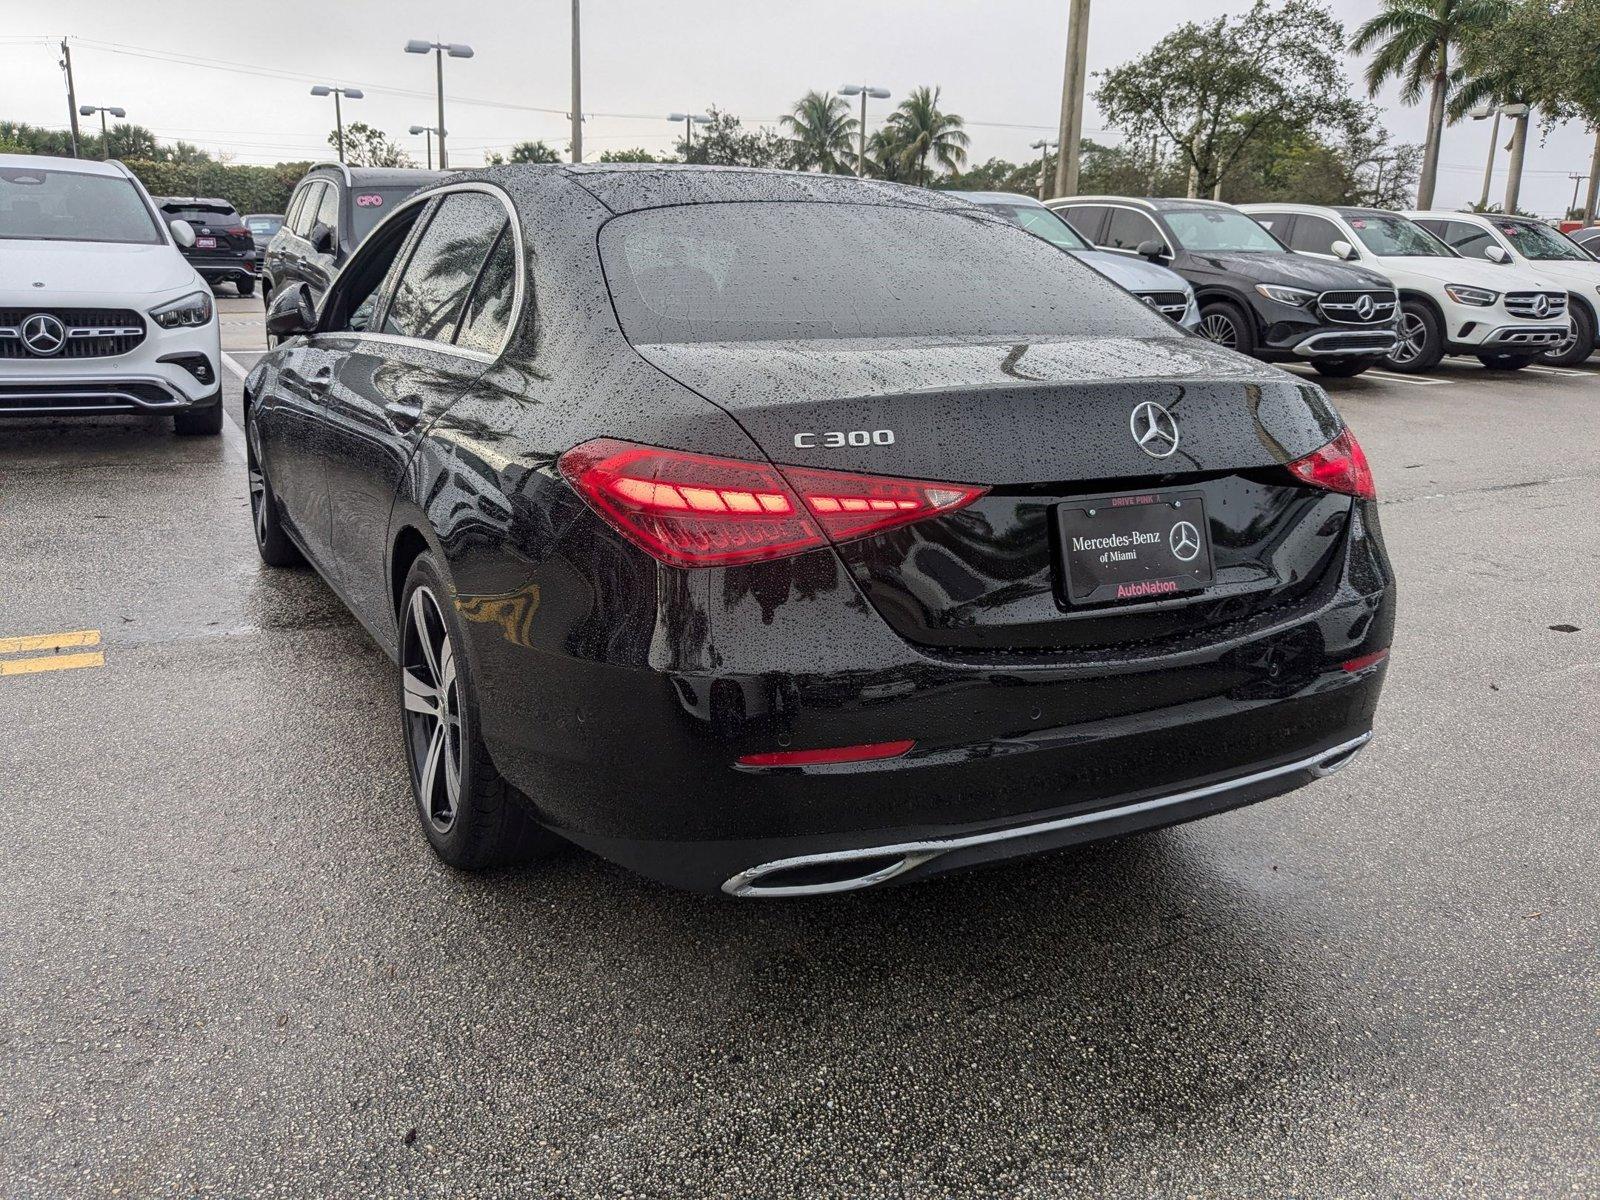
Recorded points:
(998, 61)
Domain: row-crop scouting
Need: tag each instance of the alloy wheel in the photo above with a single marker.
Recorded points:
(1564, 346)
(258, 482)
(432, 710)
(1413, 336)
(1219, 329)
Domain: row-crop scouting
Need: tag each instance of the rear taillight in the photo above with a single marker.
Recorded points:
(1340, 466)
(241, 232)
(697, 510)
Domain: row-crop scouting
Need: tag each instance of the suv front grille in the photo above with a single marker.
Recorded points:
(1168, 304)
(1346, 308)
(1526, 304)
(90, 332)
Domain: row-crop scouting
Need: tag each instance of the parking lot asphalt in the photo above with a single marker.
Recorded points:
(231, 966)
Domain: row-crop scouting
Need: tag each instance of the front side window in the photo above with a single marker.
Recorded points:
(753, 271)
(488, 314)
(1539, 242)
(47, 205)
(1219, 230)
(1467, 240)
(1127, 230)
(1390, 236)
(1314, 235)
(450, 253)
(328, 209)
(306, 213)
(1042, 223)
(1087, 219)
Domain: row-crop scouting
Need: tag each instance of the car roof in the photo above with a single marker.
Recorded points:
(52, 162)
(997, 198)
(1149, 203)
(381, 176)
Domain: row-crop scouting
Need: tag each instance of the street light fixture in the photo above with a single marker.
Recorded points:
(427, 131)
(323, 89)
(863, 90)
(89, 110)
(690, 120)
(439, 50)
(1044, 146)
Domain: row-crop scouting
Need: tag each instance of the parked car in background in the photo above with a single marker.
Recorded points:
(223, 250)
(1588, 238)
(895, 544)
(262, 227)
(1255, 295)
(99, 310)
(1165, 291)
(331, 210)
(1448, 304)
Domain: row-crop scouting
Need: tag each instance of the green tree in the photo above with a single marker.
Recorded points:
(636, 154)
(534, 152)
(1212, 89)
(365, 146)
(921, 131)
(823, 134)
(725, 142)
(1415, 42)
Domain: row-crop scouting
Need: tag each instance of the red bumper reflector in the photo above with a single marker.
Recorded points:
(835, 754)
(1365, 661)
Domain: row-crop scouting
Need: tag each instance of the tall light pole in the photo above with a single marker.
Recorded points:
(1594, 183)
(323, 89)
(89, 110)
(1482, 113)
(863, 90)
(690, 120)
(439, 50)
(72, 93)
(1520, 117)
(1072, 85)
(427, 132)
(1043, 145)
(577, 91)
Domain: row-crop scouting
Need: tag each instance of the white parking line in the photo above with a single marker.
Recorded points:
(1414, 380)
(233, 365)
(1562, 372)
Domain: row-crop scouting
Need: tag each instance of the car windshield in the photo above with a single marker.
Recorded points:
(1040, 222)
(38, 204)
(1539, 242)
(1389, 236)
(371, 204)
(1212, 229)
(750, 271)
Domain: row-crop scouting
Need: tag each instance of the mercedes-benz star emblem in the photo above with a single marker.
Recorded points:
(1154, 430)
(1364, 307)
(1541, 306)
(1184, 541)
(44, 334)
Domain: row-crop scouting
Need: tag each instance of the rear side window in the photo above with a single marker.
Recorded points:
(488, 314)
(328, 208)
(369, 205)
(433, 287)
(1127, 229)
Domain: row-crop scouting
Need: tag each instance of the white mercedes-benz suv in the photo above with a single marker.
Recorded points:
(99, 312)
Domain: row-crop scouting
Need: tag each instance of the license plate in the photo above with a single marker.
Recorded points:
(1135, 547)
(201, 243)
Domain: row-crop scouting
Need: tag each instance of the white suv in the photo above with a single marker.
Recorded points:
(99, 312)
(1449, 304)
(1529, 245)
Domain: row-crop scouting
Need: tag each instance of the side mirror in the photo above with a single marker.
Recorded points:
(1497, 254)
(321, 238)
(1344, 250)
(182, 232)
(1151, 249)
(292, 313)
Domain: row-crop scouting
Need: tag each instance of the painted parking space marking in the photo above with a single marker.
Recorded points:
(1561, 372)
(1414, 380)
(35, 653)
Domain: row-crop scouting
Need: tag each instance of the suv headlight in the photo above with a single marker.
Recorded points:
(1296, 297)
(1475, 296)
(184, 313)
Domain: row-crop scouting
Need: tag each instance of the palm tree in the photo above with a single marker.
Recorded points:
(823, 128)
(1415, 42)
(883, 154)
(924, 132)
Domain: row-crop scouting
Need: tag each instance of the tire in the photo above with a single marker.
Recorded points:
(1229, 326)
(198, 422)
(1506, 362)
(272, 540)
(246, 287)
(1421, 344)
(1570, 354)
(1345, 368)
(470, 815)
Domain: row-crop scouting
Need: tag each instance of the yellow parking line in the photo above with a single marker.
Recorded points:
(50, 641)
(52, 662)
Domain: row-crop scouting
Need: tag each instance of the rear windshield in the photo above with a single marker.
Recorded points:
(1219, 230)
(70, 206)
(201, 214)
(265, 226)
(369, 205)
(1395, 237)
(751, 271)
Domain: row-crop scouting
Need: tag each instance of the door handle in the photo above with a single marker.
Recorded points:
(403, 414)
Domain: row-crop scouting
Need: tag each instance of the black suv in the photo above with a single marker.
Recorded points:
(332, 209)
(223, 250)
(1256, 295)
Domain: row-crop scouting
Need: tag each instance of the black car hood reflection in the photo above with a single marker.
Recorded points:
(1291, 270)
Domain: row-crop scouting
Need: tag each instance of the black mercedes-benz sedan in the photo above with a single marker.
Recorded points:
(786, 534)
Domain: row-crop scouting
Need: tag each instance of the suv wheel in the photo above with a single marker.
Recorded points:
(1420, 346)
(198, 422)
(1227, 326)
(245, 286)
(1345, 368)
(1579, 346)
(1506, 362)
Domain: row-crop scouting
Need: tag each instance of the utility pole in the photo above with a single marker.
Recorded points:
(577, 91)
(1072, 85)
(1576, 180)
(1594, 182)
(72, 93)
(1043, 146)
(1520, 115)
